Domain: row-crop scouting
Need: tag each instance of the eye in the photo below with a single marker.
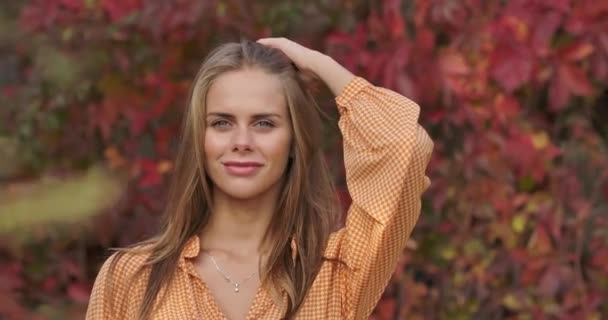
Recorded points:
(264, 124)
(220, 123)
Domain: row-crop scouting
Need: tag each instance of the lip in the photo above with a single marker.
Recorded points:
(241, 169)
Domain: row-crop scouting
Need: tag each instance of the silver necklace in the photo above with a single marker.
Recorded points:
(235, 285)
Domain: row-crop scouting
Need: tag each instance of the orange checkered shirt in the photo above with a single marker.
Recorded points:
(386, 153)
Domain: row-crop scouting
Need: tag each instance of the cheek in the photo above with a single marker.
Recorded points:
(278, 147)
(212, 145)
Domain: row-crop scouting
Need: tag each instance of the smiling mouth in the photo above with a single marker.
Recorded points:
(242, 169)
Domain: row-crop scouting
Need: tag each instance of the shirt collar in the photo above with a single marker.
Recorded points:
(192, 248)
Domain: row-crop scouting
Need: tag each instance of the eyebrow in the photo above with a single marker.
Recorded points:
(255, 116)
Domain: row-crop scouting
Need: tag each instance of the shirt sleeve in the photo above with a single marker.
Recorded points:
(385, 153)
(100, 307)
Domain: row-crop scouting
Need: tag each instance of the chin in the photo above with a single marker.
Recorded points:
(243, 191)
(242, 194)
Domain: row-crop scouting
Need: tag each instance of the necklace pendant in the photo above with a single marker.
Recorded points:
(236, 289)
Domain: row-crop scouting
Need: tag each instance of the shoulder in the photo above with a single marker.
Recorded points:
(124, 272)
(119, 284)
(124, 264)
(334, 245)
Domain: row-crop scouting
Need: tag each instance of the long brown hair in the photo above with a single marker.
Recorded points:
(306, 211)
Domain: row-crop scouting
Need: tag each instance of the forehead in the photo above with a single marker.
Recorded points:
(245, 91)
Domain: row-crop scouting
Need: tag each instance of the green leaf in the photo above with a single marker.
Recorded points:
(54, 201)
(473, 246)
(526, 183)
(90, 4)
(57, 68)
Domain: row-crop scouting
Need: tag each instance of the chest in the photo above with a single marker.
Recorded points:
(191, 297)
(234, 295)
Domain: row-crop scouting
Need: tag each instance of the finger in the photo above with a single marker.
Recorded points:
(277, 43)
(269, 41)
(427, 183)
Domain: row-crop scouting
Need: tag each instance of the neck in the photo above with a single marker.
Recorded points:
(238, 226)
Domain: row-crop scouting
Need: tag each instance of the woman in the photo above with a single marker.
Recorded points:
(249, 222)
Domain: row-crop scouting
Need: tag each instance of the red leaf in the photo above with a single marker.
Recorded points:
(451, 14)
(576, 51)
(532, 270)
(561, 5)
(558, 94)
(137, 120)
(540, 241)
(117, 9)
(79, 292)
(506, 108)
(10, 276)
(453, 63)
(511, 65)
(599, 67)
(9, 91)
(75, 5)
(551, 281)
(71, 268)
(602, 39)
(600, 259)
(163, 136)
(446, 227)
(425, 40)
(38, 15)
(150, 175)
(344, 198)
(104, 116)
(436, 116)
(544, 31)
(405, 86)
(386, 309)
(522, 154)
(349, 49)
(397, 25)
(10, 308)
(50, 284)
(575, 79)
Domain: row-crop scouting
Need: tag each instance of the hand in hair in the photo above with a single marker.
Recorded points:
(335, 76)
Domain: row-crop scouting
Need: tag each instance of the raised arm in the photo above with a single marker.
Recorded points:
(386, 153)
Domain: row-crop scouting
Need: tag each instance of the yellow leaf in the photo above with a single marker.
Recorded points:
(519, 27)
(115, 159)
(519, 223)
(448, 253)
(511, 302)
(164, 166)
(540, 140)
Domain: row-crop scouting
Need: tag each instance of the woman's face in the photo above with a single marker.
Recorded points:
(248, 135)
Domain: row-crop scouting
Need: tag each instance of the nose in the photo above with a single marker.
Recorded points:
(242, 140)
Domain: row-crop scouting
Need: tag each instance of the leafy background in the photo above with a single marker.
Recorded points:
(514, 94)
